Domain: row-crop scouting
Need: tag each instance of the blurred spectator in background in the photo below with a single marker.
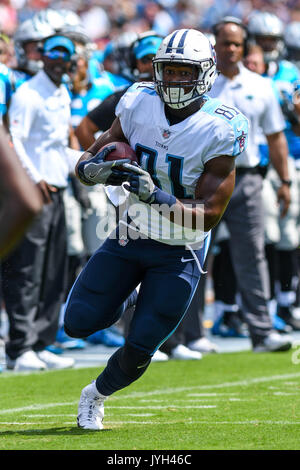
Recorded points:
(8, 17)
(116, 67)
(28, 40)
(4, 49)
(6, 90)
(292, 43)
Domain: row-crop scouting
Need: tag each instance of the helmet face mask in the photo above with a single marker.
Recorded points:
(185, 48)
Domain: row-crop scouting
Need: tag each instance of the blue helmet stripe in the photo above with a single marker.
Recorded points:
(181, 42)
(179, 48)
(169, 47)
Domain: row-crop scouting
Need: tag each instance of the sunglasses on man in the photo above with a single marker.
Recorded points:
(54, 55)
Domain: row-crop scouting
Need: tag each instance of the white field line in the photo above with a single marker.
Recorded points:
(165, 391)
(253, 422)
(239, 383)
(186, 422)
(38, 407)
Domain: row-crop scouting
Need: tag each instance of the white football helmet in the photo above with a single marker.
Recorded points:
(30, 31)
(265, 24)
(292, 42)
(185, 47)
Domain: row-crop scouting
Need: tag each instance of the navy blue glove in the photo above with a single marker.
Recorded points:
(97, 170)
(141, 184)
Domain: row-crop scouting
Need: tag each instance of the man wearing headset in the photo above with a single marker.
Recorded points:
(252, 95)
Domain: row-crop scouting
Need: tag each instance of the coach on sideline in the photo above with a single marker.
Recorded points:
(34, 274)
(253, 96)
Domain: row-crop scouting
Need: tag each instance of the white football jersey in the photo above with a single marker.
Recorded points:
(175, 155)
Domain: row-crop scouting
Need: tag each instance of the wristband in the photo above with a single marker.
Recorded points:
(161, 197)
(287, 182)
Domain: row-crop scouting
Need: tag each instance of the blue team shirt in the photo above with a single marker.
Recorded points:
(82, 103)
(286, 81)
(118, 81)
(6, 88)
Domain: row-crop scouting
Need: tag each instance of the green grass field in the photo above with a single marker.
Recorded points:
(226, 401)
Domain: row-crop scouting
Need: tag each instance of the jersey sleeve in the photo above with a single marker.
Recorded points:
(229, 134)
(129, 102)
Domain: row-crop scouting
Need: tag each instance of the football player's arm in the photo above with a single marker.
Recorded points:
(85, 132)
(213, 192)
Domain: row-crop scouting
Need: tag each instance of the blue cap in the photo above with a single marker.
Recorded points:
(59, 41)
(145, 46)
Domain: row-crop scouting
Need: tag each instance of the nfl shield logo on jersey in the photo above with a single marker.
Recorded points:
(123, 241)
(166, 133)
(242, 141)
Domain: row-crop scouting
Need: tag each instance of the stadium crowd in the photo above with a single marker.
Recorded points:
(63, 68)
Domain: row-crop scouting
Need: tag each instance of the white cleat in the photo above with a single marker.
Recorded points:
(274, 342)
(28, 361)
(184, 353)
(53, 361)
(90, 409)
(203, 345)
(159, 356)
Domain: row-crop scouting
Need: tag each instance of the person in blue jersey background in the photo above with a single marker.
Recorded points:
(6, 90)
(115, 61)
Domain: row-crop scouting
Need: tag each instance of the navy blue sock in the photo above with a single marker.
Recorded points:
(125, 366)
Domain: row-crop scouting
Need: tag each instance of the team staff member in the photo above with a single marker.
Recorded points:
(186, 149)
(34, 274)
(253, 95)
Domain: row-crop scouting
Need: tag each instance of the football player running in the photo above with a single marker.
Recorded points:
(186, 144)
